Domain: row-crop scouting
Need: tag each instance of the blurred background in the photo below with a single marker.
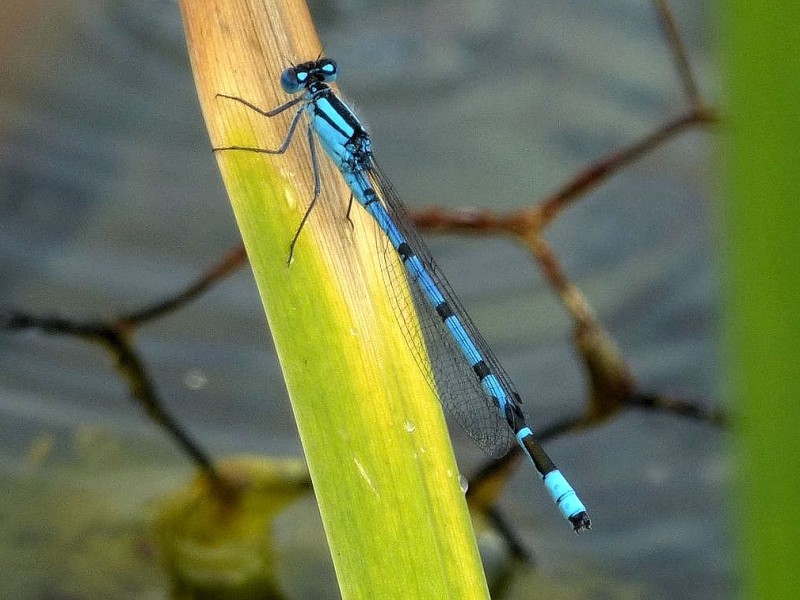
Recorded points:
(110, 199)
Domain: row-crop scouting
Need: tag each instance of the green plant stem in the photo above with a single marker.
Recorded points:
(762, 49)
(373, 433)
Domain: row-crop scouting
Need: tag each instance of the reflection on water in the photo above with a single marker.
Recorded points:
(109, 199)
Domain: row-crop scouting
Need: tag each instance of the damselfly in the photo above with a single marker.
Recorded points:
(472, 385)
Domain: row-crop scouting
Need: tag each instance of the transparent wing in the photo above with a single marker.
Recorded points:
(449, 373)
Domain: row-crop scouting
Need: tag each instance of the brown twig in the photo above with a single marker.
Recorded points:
(231, 262)
(117, 340)
(116, 336)
(541, 215)
(678, 50)
(522, 222)
(678, 406)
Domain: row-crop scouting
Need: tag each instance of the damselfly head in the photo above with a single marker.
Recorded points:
(295, 79)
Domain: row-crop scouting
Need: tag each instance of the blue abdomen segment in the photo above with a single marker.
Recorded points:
(564, 496)
(557, 485)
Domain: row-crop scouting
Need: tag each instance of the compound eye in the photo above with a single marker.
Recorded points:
(292, 80)
(328, 69)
